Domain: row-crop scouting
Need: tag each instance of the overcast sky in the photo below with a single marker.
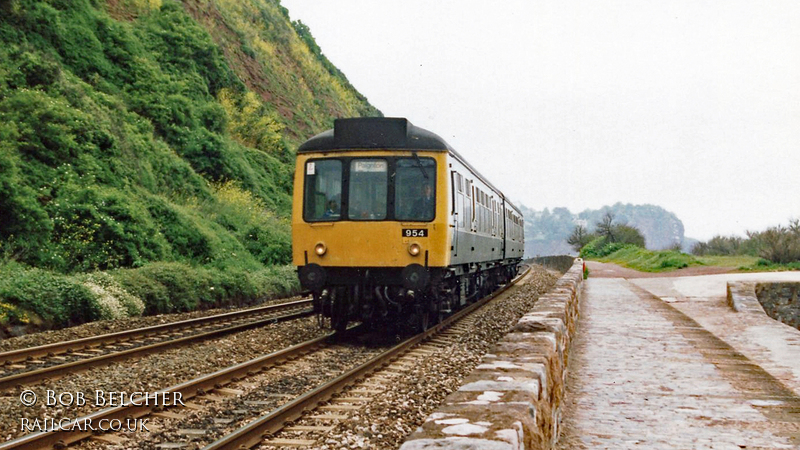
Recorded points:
(693, 106)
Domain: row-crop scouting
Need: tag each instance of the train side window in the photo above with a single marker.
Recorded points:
(323, 190)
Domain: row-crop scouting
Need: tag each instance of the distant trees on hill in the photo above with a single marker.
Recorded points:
(607, 238)
(547, 231)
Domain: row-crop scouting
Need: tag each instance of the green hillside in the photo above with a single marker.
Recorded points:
(146, 152)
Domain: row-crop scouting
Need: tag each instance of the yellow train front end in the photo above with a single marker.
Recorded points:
(370, 222)
(358, 232)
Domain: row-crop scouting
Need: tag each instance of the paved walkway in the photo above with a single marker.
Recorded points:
(646, 373)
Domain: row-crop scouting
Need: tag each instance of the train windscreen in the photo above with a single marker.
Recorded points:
(368, 189)
(360, 189)
(323, 190)
(414, 192)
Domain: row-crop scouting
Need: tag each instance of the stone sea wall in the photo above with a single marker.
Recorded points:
(778, 300)
(512, 400)
(561, 263)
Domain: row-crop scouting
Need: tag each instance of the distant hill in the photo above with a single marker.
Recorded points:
(546, 231)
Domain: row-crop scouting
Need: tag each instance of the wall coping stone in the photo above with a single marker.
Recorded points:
(742, 297)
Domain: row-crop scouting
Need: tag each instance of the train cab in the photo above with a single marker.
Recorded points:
(373, 226)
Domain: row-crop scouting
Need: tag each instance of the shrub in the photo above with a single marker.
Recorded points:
(673, 261)
(592, 249)
(608, 238)
(56, 300)
(174, 287)
(154, 295)
(625, 234)
(722, 246)
(187, 287)
(779, 244)
(113, 301)
(99, 228)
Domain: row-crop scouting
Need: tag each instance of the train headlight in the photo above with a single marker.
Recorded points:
(320, 249)
(414, 249)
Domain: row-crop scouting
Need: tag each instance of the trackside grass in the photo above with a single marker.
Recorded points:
(651, 261)
(666, 260)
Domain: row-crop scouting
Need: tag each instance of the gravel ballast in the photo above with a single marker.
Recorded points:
(387, 420)
(383, 423)
(154, 372)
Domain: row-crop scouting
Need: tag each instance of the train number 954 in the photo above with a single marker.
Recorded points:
(415, 232)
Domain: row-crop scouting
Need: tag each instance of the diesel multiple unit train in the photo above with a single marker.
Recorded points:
(392, 226)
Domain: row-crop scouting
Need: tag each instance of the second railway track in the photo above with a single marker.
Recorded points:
(31, 365)
(230, 385)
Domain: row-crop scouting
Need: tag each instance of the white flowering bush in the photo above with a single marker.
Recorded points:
(112, 301)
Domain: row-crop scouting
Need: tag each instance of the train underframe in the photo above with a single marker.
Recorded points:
(413, 298)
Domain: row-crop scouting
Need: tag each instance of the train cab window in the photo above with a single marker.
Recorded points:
(323, 191)
(415, 189)
(368, 189)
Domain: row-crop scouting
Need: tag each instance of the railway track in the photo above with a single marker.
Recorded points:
(206, 385)
(320, 411)
(32, 365)
(315, 405)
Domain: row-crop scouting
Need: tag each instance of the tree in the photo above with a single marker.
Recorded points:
(605, 228)
(579, 237)
(625, 234)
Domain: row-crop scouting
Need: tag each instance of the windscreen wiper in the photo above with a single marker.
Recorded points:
(419, 164)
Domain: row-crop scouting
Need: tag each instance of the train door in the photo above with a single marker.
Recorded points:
(503, 229)
(458, 200)
(473, 223)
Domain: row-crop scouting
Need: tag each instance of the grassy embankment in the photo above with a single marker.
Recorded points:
(666, 260)
(146, 153)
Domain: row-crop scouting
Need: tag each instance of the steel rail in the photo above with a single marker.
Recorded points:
(252, 434)
(33, 376)
(189, 389)
(78, 344)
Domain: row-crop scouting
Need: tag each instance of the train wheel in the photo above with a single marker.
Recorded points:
(437, 316)
(339, 317)
(424, 319)
(418, 319)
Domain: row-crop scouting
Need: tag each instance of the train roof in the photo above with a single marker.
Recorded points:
(389, 133)
(374, 133)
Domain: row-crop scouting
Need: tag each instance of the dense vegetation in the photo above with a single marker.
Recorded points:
(607, 238)
(546, 232)
(146, 151)
(775, 245)
(777, 248)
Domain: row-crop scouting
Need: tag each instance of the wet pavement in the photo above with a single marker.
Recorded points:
(664, 363)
